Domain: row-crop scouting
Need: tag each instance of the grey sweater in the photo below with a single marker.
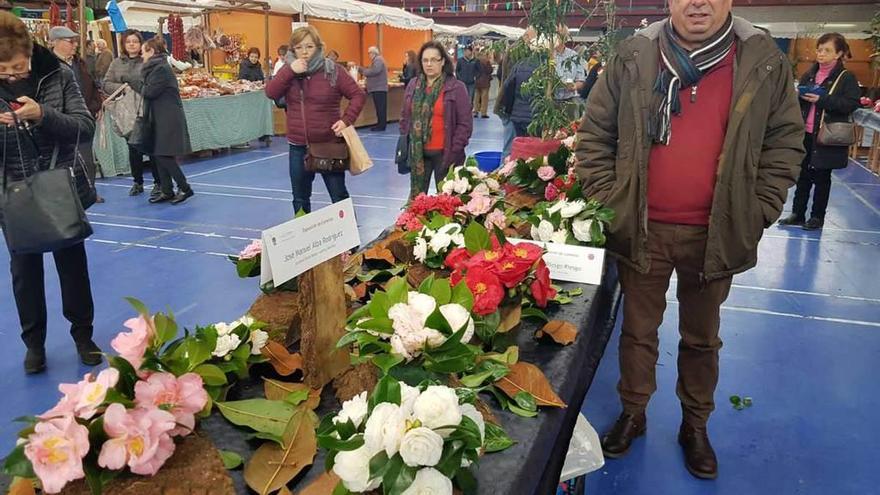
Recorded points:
(124, 70)
(377, 75)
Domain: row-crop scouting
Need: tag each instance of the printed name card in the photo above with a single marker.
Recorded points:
(570, 263)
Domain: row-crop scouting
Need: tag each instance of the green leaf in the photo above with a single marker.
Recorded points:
(348, 339)
(398, 477)
(387, 390)
(465, 480)
(438, 322)
(520, 411)
(17, 464)
(454, 361)
(499, 234)
(379, 305)
(247, 268)
(468, 432)
(487, 370)
(462, 295)
(441, 291)
(476, 238)
(496, 438)
(97, 477)
(127, 375)
(340, 489)
(450, 459)
(397, 290)
(115, 396)
(486, 327)
(332, 443)
(138, 306)
(379, 465)
(382, 325)
(211, 374)
(231, 460)
(425, 286)
(295, 398)
(166, 328)
(268, 436)
(300, 213)
(387, 361)
(536, 313)
(526, 401)
(267, 416)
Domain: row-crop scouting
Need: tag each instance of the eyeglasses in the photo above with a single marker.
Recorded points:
(72, 41)
(303, 48)
(429, 61)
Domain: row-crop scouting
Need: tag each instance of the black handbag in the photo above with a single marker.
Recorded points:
(42, 213)
(323, 157)
(141, 137)
(401, 156)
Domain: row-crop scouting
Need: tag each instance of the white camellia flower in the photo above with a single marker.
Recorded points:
(440, 241)
(246, 320)
(423, 304)
(461, 186)
(448, 186)
(385, 429)
(458, 239)
(421, 447)
(457, 316)
(353, 468)
(258, 341)
(420, 250)
(437, 407)
(572, 208)
(408, 396)
(223, 328)
(581, 229)
(354, 409)
(471, 412)
(492, 184)
(226, 344)
(560, 236)
(481, 189)
(429, 481)
(433, 337)
(545, 231)
(557, 206)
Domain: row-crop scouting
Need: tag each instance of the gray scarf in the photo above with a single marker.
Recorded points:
(318, 62)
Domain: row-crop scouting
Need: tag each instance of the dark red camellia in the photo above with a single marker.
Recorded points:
(542, 290)
(457, 258)
(486, 288)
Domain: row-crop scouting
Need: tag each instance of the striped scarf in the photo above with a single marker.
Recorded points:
(682, 68)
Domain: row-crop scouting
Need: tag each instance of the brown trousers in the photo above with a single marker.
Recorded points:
(481, 101)
(680, 248)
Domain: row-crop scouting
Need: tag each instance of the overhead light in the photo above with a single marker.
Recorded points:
(839, 25)
(573, 30)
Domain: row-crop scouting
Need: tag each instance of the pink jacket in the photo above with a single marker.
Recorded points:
(315, 99)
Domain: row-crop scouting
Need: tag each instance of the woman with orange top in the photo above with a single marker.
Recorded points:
(437, 117)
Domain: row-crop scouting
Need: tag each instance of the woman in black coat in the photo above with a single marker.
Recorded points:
(829, 93)
(250, 68)
(50, 114)
(163, 110)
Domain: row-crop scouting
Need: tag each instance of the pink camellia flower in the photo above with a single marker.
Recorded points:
(253, 250)
(478, 205)
(132, 345)
(183, 397)
(551, 192)
(508, 167)
(139, 438)
(496, 218)
(546, 173)
(56, 449)
(83, 398)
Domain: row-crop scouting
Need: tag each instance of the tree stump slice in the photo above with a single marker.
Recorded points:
(322, 323)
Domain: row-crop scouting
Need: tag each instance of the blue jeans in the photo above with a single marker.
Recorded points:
(301, 181)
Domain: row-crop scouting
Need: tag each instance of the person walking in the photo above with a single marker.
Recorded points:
(163, 109)
(483, 83)
(377, 86)
(314, 86)
(410, 68)
(250, 68)
(467, 69)
(693, 193)
(103, 59)
(516, 105)
(50, 113)
(126, 69)
(437, 116)
(831, 94)
(515, 53)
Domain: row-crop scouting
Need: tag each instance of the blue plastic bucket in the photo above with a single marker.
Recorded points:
(488, 161)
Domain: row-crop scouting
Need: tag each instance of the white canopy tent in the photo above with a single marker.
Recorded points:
(481, 29)
(791, 30)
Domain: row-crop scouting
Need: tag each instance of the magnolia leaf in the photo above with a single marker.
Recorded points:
(231, 460)
(496, 438)
(278, 390)
(562, 332)
(138, 306)
(268, 416)
(476, 238)
(526, 377)
(380, 252)
(211, 375)
(22, 486)
(360, 290)
(272, 467)
(281, 359)
(353, 266)
(349, 292)
(322, 485)
(511, 315)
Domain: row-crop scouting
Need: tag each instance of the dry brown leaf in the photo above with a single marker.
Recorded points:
(380, 252)
(349, 293)
(323, 485)
(562, 332)
(526, 377)
(278, 390)
(281, 359)
(353, 266)
(272, 467)
(521, 199)
(360, 290)
(285, 491)
(22, 486)
(511, 315)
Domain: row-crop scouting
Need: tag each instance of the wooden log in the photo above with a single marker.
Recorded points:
(322, 323)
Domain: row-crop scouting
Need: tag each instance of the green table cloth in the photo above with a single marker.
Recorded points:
(213, 123)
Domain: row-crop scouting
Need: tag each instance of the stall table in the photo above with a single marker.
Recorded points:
(533, 465)
(213, 123)
(870, 120)
(368, 114)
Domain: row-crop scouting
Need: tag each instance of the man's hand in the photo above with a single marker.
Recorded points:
(299, 66)
(338, 127)
(810, 97)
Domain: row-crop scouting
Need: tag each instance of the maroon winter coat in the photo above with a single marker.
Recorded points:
(321, 103)
(458, 121)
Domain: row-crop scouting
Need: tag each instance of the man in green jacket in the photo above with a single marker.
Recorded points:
(693, 136)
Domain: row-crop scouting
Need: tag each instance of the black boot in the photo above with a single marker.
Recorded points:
(182, 196)
(616, 443)
(89, 353)
(793, 219)
(814, 223)
(35, 361)
(699, 456)
(136, 189)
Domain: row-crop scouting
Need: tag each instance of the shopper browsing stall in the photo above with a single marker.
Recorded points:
(377, 86)
(250, 68)
(313, 87)
(437, 117)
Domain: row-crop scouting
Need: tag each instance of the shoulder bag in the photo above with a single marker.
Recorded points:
(401, 156)
(322, 157)
(42, 213)
(836, 133)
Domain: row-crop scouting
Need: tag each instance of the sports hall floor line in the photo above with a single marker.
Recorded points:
(743, 309)
(172, 231)
(174, 222)
(142, 245)
(236, 165)
(286, 191)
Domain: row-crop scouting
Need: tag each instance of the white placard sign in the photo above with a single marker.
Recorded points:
(293, 247)
(569, 263)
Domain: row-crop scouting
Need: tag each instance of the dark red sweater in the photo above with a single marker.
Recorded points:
(681, 176)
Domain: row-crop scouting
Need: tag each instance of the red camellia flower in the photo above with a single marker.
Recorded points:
(457, 258)
(487, 290)
(487, 260)
(541, 289)
(511, 273)
(524, 252)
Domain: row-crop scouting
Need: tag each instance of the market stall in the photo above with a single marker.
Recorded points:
(868, 133)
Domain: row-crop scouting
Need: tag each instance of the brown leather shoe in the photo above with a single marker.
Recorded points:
(699, 457)
(616, 443)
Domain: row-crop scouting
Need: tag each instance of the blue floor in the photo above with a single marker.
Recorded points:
(801, 331)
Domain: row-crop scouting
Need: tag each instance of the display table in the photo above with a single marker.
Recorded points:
(213, 123)
(867, 119)
(368, 114)
(533, 465)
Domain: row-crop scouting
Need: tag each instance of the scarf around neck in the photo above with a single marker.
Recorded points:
(420, 130)
(319, 63)
(681, 68)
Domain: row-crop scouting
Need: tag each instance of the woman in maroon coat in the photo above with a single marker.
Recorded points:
(313, 87)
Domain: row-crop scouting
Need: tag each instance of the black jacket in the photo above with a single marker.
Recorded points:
(837, 107)
(250, 71)
(409, 73)
(163, 108)
(592, 77)
(65, 118)
(467, 70)
(516, 105)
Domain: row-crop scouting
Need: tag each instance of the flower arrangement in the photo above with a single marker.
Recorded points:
(536, 174)
(247, 263)
(431, 244)
(469, 180)
(422, 205)
(576, 222)
(408, 440)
